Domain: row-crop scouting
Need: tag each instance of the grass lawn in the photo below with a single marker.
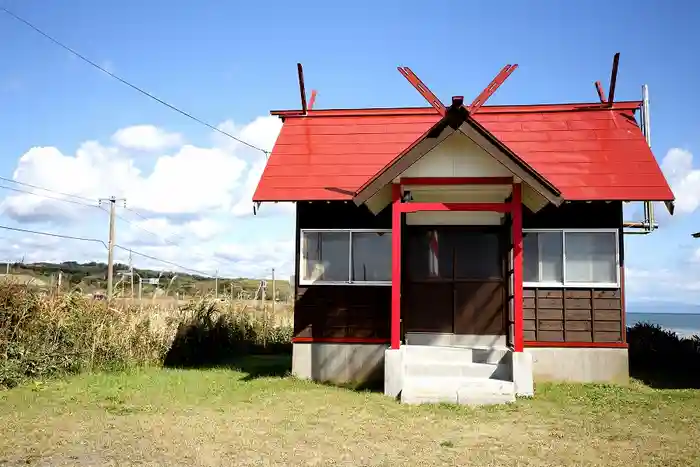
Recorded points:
(245, 417)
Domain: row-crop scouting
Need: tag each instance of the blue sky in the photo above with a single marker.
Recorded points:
(231, 62)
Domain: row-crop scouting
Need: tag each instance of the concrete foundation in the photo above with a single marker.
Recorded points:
(522, 374)
(583, 365)
(393, 372)
(339, 363)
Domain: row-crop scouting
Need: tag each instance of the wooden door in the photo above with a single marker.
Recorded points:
(454, 280)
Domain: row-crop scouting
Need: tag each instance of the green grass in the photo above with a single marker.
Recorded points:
(254, 416)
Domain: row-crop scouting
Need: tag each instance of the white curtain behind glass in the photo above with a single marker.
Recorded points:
(591, 257)
(550, 247)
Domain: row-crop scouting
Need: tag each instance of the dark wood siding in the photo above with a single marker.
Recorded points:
(340, 311)
(576, 314)
(336, 311)
(572, 315)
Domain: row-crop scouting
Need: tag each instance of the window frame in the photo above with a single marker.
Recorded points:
(302, 264)
(574, 285)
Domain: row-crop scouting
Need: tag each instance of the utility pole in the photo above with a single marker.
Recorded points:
(131, 274)
(273, 291)
(110, 248)
(216, 285)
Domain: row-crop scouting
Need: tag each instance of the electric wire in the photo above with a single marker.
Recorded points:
(166, 240)
(18, 190)
(163, 239)
(51, 234)
(95, 240)
(127, 83)
(47, 189)
(153, 258)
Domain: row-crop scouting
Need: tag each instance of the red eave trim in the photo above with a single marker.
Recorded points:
(523, 108)
(583, 345)
(340, 340)
(456, 181)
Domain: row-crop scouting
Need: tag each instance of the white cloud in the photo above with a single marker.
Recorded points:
(257, 259)
(161, 231)
(677, 165)
(193, 180)
(193, 196)
(678, 285)
(146, 138)
(261, 133)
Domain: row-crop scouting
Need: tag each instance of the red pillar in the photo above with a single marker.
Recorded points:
(396, 267)
(517, 214)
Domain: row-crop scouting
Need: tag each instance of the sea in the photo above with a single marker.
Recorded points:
(683, 324)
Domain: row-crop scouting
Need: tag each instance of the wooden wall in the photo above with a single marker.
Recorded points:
(576, 314)
(340, 311)
(573, 315)
(551, 315)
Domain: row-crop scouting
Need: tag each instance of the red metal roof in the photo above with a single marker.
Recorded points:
(587, 151)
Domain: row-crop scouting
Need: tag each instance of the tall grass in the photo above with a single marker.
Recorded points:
(213, 333)
(43, 335)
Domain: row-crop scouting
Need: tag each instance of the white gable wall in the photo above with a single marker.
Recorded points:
(457, 156)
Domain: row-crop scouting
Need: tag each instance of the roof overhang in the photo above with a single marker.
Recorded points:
(457, 119)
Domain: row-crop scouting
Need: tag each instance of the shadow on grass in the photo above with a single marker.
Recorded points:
(262, 366)
(365, 386)
(663, 360)
(208, 341)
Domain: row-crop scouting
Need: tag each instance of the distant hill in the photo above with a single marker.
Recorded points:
(92, 277)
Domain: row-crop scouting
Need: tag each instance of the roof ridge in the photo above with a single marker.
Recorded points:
(518, 108)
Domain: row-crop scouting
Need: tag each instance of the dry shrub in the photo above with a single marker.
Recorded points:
(215, 332)
(42, 335)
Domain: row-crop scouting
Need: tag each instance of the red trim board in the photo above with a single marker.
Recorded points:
(583, 345)
(517, 235)
(396, 267)
(340, 340)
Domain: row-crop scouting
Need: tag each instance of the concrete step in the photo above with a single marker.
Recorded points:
(475, 354)
(457, 390)
(450, 339)
(492, 355)
(420, 369)
(433, 353)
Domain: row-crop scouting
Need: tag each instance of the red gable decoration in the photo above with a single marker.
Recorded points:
(593, 151)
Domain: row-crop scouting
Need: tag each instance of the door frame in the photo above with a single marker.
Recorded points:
(410, 232)
(513, 206)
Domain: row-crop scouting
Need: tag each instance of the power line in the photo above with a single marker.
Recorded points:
(132, 86)
(18, 190)
(201, 273)
(71, 237)
(163, 238)
(138, 214)
(50, 234)
(95, 240)
(46, 189)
